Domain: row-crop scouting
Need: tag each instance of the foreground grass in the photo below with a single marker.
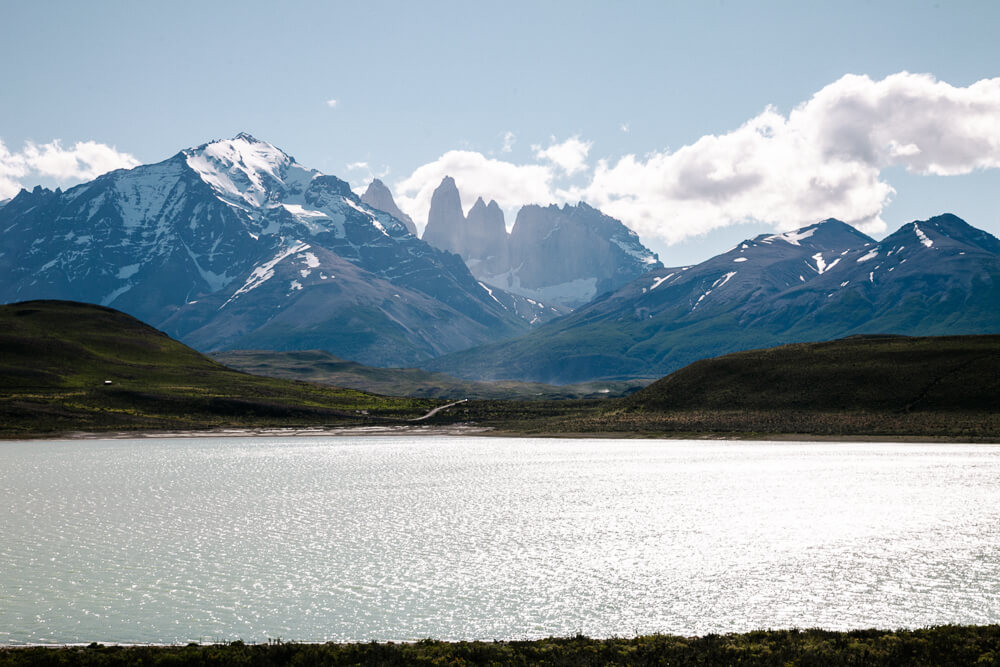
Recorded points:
(942, 646)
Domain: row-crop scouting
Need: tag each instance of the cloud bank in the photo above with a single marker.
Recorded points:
(824, 159)
(85, 161)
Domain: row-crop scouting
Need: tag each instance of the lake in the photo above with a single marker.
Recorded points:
(173, 540)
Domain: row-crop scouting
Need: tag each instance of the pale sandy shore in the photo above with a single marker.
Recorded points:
(303, 432)
(469, 430)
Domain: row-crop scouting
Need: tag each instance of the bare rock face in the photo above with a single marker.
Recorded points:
(380, 198)
(486, 249)
(445, 221)
(564, 256)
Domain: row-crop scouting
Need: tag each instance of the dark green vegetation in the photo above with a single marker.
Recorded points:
(946, 387)
(56, 357)
(940, 646)
(324, 368)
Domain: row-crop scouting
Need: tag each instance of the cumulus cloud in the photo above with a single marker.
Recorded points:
(85, 161)
(823, 159)
(570, 155)
(331, 103)
(476, 175)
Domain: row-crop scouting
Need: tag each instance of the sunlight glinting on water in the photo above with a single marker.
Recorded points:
(391, 538)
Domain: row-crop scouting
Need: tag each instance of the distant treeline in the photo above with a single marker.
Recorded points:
(939, 646)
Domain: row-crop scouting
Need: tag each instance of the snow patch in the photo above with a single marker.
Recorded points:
(295, 285)
(109, 299)
(642, 255)
(488, 291)
(821, 265)
(792, 237)
(871, 254)
(723, 280)
(265, 271)
(923, 237)
(740, 259)
(374, 220)
(127, 272)
(659, 281)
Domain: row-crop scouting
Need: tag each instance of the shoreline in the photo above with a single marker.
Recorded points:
(471, 430)
(936, 645)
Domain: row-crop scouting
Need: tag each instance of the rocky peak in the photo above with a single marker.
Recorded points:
(485, 246)
(379, 197)
(246, 170)
(445, 221)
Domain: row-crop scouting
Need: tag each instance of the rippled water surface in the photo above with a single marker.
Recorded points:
(176, 540)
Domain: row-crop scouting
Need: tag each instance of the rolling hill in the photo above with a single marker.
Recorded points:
(68, 366)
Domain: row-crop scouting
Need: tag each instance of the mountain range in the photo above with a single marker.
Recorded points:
(820, 282)
(234, 245)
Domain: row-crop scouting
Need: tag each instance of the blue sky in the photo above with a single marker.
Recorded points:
(526, 101)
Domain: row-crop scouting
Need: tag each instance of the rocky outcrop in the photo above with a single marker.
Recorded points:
(564, 256)
(379, 197)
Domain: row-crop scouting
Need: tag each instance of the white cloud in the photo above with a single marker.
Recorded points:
(476, 175)
(508, 142)
(823, 159)
(570, 155)
(331, 103)
(85, 161)
(624, 127)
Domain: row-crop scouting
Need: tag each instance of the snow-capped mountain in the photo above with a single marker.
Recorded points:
(239, 226)
(564, 255)
(824, 281)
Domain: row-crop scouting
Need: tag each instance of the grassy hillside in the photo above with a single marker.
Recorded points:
(323, 367)
(869, 373)
(71, 366)
(892, 386)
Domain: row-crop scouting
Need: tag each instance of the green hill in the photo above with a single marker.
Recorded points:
(861, 373)
(70, 366)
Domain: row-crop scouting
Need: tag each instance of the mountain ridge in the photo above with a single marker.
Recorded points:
(180, 243)
(819, 282)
